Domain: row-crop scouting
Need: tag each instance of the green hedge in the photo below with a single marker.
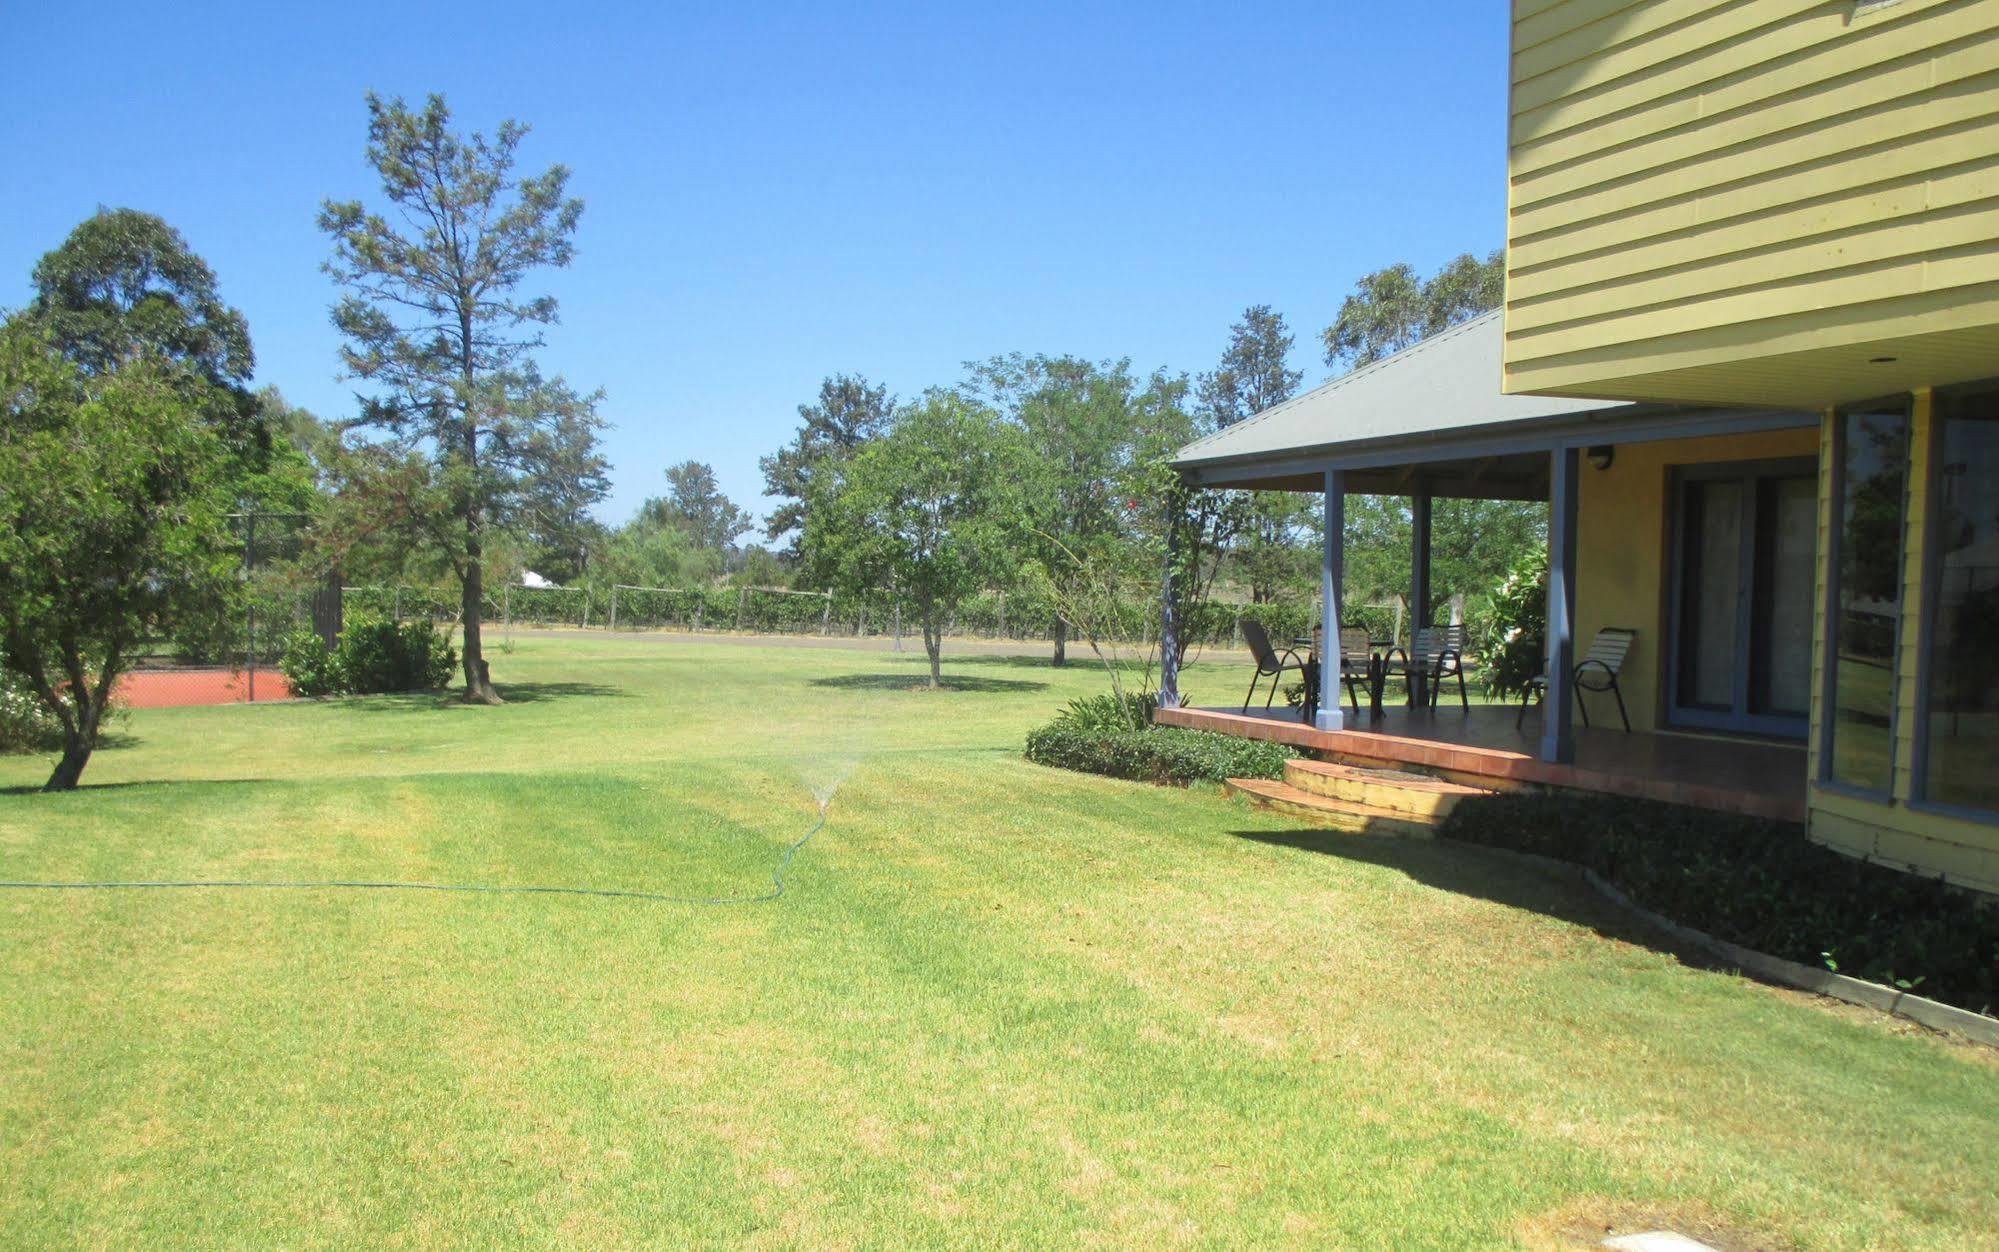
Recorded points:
(1167, 754)
(1763, 885)
(374, 655)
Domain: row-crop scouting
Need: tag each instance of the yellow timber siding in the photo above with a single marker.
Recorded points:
(1746, 203)
(1895, 831)
(1623, 547)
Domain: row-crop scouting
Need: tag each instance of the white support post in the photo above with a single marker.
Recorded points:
(1558, 742)
(1332, 573)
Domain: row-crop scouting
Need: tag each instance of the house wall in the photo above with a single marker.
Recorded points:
(1751, 203)
(1897, 831)
(1623, 549)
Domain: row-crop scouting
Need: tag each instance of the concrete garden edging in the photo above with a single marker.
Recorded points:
(1948, 1018)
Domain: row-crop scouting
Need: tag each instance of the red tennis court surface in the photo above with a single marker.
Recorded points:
(175, 688)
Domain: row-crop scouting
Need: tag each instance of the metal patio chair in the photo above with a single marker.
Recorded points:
(1271, 662)
(1597, 671)
(1434, 654)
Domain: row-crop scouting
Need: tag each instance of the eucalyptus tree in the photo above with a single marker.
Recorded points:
(849, 412)
(1077, 417)
(1392, 308)
(1254, 375)
(439, 329)
(934, 510)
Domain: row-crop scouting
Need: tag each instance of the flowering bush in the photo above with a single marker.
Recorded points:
(1511, 632)
(26, 725)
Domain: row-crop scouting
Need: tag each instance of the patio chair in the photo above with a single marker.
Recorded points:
(1597, 671)
(1271, 663)
(1356, 656)
(1434, 654)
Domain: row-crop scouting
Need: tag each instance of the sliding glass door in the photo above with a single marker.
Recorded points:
(1740, 653)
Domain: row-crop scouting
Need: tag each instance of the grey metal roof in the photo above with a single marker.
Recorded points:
(1445, 384)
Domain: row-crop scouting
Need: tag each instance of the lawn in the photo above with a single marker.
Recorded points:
(998, 1004)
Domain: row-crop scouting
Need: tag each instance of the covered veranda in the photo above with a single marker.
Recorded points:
(1430, 423)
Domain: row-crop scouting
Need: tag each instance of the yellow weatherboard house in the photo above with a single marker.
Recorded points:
(1796, 205)
(1749, 357)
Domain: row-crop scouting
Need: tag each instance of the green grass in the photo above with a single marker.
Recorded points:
(999, 1004)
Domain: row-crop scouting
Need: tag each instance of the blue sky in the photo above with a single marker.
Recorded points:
(779, 192)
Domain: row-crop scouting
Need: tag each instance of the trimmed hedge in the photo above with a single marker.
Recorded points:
(1166, 754)
(1761, 884)
(374, 655)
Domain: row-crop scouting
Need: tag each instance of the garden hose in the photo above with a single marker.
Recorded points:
(777, 884)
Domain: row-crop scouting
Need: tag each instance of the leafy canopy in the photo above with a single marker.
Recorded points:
(111, 529)
(1392, 308)
(935, 510)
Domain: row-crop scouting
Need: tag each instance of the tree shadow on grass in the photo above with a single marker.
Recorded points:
(1468, 870)
(452, 698)
(1000, 659)
(134, 784)
(914, 682)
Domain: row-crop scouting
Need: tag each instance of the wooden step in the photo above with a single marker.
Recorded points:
(1398, 790)
(1344, 815)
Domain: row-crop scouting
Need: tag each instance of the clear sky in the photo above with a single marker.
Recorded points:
(779, 192)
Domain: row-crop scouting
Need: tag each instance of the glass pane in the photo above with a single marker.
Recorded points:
(1787, 543)
(1964, 597)
(1713, 579)
(1868, 601)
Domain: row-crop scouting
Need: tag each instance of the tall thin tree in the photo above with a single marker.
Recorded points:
(436, 321)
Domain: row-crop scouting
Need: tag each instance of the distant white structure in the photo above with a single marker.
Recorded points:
(531, 579)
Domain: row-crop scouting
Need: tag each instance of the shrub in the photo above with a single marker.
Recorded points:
(1510, 631)
(1761, 884)
(1165, 754)
(1110, 711)
(26, 724)
(375, 655)
(309, 667)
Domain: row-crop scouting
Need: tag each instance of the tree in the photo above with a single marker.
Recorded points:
(848, 413)
(1254, 376)
(933, 510)
(111, 528)
(694, 505)
(1077, 418)
(435, 320)
(1392, 309)
(570, 476)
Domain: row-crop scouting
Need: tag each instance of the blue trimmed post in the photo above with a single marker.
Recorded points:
(1332, 572)
(1419, 561)
(1558, 741)
(1169, 619)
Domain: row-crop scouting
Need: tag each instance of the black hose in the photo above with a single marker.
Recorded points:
(337, 884)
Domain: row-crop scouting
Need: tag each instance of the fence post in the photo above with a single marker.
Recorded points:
(861, 623)
(700, 612)
(898, 626)
(507, 611)
(613, 627)
(826, 615)
(742, 603)
(586, 608)
(1002, 614)
(250, 599)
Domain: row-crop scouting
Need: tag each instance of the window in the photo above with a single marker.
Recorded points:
(1961, 677)
(1871, 446)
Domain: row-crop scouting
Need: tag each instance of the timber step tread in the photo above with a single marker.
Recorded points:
(1401, 779)
(1344, 815)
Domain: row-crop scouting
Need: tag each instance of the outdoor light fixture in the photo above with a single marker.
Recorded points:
(1602, 455)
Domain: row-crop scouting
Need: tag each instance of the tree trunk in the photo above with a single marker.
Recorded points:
(478, 680)
(77, 744)
(1061, 643)
(68, 770)
(933, 643)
